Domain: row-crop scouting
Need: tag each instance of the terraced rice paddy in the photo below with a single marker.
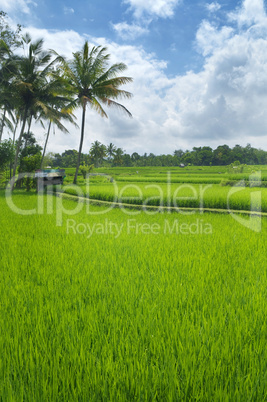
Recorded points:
(121, 306)
(171, 308)
(175, 195)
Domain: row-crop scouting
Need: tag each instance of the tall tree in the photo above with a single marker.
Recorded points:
(111, 150)
(59, 95)
(7, 100)
(6, 153)
(9, 40)
(118, 160)
(95, 84)
(97, 152)
(34, 87)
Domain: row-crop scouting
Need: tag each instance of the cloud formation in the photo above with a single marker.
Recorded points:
(251, 12)
(157, 8)
(213, 7)
(143, 14)
(68, 10)
(17, 5)
(129, 31)
(225, 102)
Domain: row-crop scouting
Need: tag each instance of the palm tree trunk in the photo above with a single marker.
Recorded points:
(19, 141)
(46, 141)
(13, 142)
(27, 136)
(15, 129)
(2, 124)
(81, 144)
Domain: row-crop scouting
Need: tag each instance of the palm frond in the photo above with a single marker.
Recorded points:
(96, 105)
(111, 103)
(112, 72)
(8, 123)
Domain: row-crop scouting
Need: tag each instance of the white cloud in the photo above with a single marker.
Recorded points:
(213, 7)
(63, 42)
(68, 10)
(251, 12)
(209, 37)
(144, 12)
(157, 8)
(17, 5)
(226, 102)
(127, 31)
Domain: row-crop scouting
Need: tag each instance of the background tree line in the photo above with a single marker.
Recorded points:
(109, 155)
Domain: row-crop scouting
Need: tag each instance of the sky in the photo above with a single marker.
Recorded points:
(199, 69)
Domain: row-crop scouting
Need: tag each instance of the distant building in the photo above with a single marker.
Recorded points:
(182, 165)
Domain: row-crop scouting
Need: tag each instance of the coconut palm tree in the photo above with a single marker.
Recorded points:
(60, 96)
(7, 71)
(95, 84)
(111, 150)
(35, 90)
(118, 157)
(97, 152)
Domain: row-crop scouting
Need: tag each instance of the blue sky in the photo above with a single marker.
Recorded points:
(199, 68)
(168, 31)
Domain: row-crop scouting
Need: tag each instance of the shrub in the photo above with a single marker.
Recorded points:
(85, 169)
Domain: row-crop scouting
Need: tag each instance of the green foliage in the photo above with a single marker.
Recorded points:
(7, 34)
(29, 164)
(85, 169)
(236, 167)
(97, 153)
(7, 152)
(109, 155)
(49, 159)
(118, 157)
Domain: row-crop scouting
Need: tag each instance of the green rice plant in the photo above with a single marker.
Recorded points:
(171, 308)
(176, 195)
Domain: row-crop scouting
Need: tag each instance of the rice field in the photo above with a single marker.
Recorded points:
(114, 306)
(182, 195)
(199, 188)
(189, 174)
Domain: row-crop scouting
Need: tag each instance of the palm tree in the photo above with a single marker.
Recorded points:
(95, 84)
(111, 150)
(35, 90)
(118, 157)
(98, 151)
(61, 96)
(7, 70)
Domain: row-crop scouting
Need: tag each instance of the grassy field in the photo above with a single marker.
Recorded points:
(121, 307)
